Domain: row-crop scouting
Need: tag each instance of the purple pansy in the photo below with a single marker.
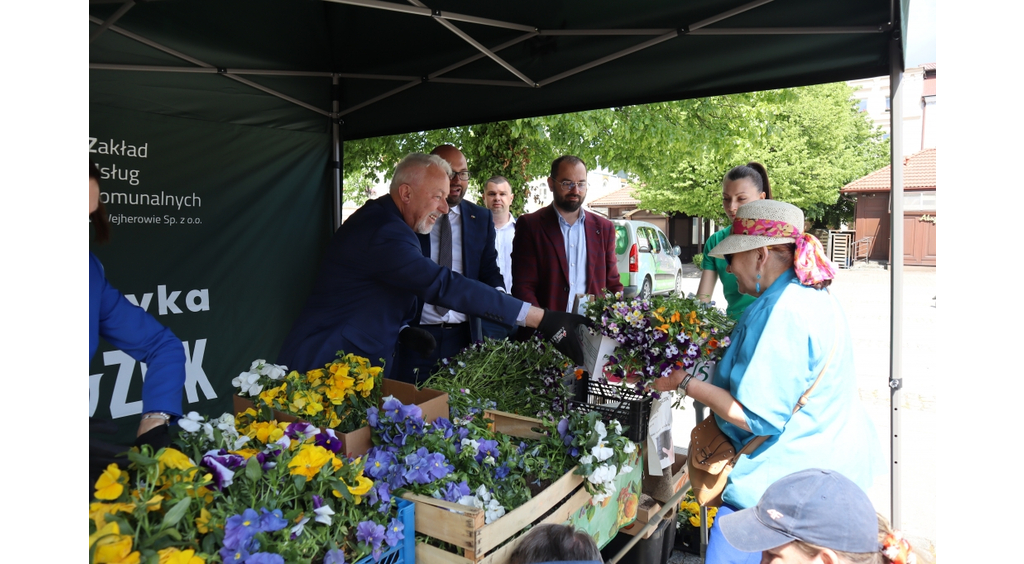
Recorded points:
(271, 521)
(394, 533)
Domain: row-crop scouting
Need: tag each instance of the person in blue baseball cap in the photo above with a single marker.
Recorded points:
(816, 516)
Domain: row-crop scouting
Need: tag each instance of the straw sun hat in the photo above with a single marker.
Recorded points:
(759, 224)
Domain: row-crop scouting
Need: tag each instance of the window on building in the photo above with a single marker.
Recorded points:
(888, 103)
(919, 201)
(862, 105)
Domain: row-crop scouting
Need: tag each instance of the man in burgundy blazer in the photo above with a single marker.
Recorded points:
(543, 263)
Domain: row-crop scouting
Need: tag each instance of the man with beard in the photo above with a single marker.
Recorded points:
(462, 240)
(374, 275)
(560, 251)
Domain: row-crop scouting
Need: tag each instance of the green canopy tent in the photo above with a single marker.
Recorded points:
(250, 100)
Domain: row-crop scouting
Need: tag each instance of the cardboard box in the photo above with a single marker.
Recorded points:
(645, 513)
(433, 403)
(655, 485)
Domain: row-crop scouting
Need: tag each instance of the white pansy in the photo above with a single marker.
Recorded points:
(274, 371)
(297, 529)
(191, 422)
(241, 440)
(323, 514)
(247, 384)
(489, 460)
(493, 512)
(601, 452)
(256, 364)
(586, 459)
(630, 447)
(472, 445)
(599, 428)
(616, 427)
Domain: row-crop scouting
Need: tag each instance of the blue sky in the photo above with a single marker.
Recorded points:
(921, 33)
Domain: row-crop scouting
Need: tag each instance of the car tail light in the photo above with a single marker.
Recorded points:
(634, 259)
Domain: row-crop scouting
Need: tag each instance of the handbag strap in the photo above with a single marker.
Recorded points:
(756, 442)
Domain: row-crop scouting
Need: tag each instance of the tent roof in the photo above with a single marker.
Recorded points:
(918, 174)
(405, 67)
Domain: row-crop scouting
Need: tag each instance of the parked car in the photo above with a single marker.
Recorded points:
(648, 264)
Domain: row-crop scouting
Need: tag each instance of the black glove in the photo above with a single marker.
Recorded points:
(563, 329)
(158, 437)
(418, 340)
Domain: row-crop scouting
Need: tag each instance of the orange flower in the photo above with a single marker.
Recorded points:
(691, 317)
(675, 317)
(712, 344)
(579, 373)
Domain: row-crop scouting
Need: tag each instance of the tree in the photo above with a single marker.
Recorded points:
(812, 140)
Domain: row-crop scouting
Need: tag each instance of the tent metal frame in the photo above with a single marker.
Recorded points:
(447, 19)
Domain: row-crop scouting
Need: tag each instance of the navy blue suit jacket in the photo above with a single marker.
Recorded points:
(371, 281)
(479, 257)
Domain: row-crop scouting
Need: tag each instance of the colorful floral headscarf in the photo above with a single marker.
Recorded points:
(810, 263)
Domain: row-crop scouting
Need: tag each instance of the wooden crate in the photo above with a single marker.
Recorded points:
(433, 403)
(466, 529)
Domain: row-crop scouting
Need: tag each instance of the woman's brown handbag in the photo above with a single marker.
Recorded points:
(711, 458)
(711, 455)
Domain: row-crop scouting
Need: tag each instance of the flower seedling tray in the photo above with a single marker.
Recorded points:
(464, 527)
(619, 402)
(404, 553)
(433, 403)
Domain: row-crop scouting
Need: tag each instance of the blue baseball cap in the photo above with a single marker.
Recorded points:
(820, 507)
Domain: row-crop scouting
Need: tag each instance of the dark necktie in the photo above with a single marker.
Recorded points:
(444, 251)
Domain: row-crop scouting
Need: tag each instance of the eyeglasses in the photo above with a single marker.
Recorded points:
(464, 175)
(569, 185)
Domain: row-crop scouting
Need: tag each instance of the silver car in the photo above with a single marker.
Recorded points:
(648, 264)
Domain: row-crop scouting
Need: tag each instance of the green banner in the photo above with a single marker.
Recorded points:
(217, 231)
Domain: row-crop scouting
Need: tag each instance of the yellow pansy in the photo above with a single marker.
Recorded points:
(675, 317)
(172, 555)
(245, 453)
(309, 460)
(98, 511)
(363, 485)
(691, 317)
(112, 547)
(110, 485)
(203, 521)
(364, 384)
(695, 520)
(315, 377)
(154, 503)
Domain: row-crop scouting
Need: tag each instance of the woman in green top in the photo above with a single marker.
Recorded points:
(742, 184)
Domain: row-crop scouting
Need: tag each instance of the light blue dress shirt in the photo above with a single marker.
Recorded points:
(575, 238)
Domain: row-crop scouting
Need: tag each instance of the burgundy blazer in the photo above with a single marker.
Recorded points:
(540, 273)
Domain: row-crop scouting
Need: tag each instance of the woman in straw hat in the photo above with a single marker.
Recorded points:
(792, 332)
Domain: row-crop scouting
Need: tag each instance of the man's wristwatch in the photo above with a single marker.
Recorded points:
(159, 415)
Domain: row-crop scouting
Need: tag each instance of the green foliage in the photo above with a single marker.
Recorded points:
(698, 259)
(812, 140)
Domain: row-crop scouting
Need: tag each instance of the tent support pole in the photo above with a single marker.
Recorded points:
(339, 187)
(896, 272)
(110, 21)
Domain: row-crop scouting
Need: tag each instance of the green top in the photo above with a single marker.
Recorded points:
(737, 301)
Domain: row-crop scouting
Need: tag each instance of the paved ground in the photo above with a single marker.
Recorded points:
(864, 295)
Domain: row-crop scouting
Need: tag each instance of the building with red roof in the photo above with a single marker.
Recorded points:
(873, 210)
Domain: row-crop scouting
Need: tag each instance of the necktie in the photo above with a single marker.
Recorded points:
(444, 251)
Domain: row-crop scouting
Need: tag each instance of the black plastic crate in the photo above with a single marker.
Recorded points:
(630, 409)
